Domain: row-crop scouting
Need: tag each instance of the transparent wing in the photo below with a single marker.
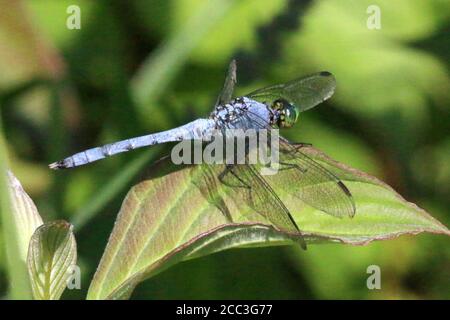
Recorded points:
(259, 195)
(206, 179)
(305, 92)
(310, 181)
(227, 92)
(246, 187)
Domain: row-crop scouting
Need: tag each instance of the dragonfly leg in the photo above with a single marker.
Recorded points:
(287, 166)
(225, 181)
(223, 178)
(207, 185)
(299, 145)
(296, 145)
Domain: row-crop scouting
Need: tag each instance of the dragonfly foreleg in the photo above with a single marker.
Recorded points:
(296, 145)
(226, 181)
(287, 166)
(299, 145)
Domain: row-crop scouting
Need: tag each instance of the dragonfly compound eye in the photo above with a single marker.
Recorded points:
(288, 113)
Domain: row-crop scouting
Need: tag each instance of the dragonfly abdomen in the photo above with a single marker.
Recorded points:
(197, 129)
(94, 154)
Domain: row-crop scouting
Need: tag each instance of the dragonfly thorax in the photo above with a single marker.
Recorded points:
(243, 113)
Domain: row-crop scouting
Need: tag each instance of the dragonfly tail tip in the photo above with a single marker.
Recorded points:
(56, 165)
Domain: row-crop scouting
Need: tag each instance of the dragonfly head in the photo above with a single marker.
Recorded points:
(287, 113)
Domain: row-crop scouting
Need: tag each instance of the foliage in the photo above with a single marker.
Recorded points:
(167, 219)
(51, 254)
(142, 66)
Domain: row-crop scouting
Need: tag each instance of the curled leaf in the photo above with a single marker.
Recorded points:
(52, 254)
(25, 214)
(20, 219)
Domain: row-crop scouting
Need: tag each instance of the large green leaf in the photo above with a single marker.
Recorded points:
(51, 254)
(19, 218)
(166, 219)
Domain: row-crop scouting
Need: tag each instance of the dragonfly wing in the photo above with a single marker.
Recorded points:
(305, 92)
(227, 92)
(248, 185)
(312, 183)
(206, 179)
(309, 180)
(247, 189)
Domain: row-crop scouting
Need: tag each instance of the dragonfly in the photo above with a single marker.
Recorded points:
(272, 107)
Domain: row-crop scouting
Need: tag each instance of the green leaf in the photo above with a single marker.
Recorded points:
(52, 254)
(166, 219)
(25, 214)
(19, 219)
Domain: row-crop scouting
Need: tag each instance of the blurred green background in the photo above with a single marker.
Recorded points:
(138, 66)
